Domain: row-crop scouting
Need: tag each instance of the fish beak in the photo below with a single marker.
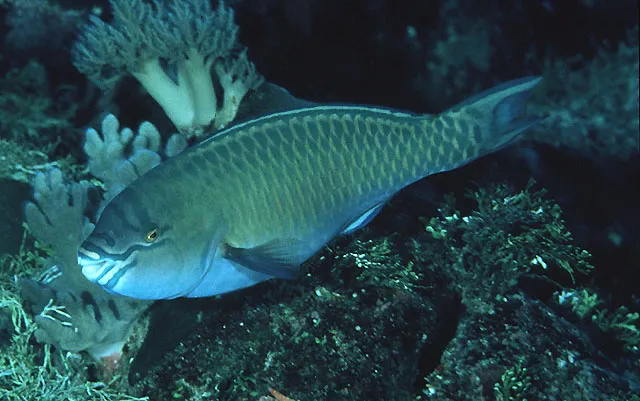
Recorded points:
(82, 253)
(93, 266)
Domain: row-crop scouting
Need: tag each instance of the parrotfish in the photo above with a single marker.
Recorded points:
(256, 200)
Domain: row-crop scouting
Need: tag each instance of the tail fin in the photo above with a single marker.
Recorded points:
(502, 112)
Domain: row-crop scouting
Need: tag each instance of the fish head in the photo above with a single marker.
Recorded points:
(146, 251)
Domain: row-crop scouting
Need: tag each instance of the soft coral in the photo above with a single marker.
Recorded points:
(171, 51)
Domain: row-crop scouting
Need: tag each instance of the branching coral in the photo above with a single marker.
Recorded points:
(32, 373)
(118, 157)
(171, 52)
(71, 312)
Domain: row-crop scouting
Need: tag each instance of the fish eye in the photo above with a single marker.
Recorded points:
(152, 235)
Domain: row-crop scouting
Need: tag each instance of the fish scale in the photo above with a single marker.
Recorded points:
(312, 152)
(256, 200)
(382, 154)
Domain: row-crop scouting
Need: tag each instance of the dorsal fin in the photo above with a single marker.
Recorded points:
(268, 99)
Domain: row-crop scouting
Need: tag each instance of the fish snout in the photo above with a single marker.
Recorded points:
(94, 267)
(104, 270)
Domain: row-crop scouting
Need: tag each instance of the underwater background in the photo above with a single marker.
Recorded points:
(515, 277)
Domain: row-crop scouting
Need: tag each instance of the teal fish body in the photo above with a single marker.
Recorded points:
(260, 198)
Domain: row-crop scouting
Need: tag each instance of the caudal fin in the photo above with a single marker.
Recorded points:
(501, 112)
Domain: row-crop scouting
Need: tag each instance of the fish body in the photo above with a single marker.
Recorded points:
(260, 198)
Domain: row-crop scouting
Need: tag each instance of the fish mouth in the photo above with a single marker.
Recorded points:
(94, 267)
(104, 270)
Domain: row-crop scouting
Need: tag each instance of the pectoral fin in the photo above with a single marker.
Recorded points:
(280, 258)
